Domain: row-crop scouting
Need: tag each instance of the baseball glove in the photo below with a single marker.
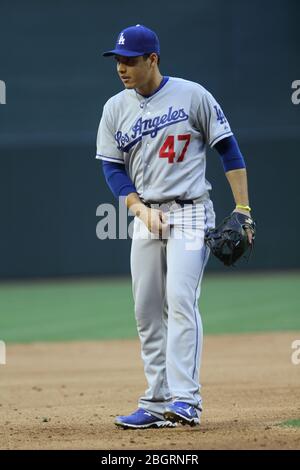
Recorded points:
(229, 241)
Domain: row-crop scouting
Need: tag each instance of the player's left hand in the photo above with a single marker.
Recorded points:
(248, 231)
(229, 241)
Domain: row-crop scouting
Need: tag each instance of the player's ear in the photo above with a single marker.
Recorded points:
(154, 59)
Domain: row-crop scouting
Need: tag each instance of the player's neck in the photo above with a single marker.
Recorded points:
(151, 86)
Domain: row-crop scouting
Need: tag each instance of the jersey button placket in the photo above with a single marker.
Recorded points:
(143, 106)
(148, 144)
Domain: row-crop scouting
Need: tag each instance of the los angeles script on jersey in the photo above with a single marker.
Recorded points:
(149, 126)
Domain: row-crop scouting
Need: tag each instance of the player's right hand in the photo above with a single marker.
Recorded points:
(155, 220)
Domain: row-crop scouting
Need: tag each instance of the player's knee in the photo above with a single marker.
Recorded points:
(145, 312)
(180, 304)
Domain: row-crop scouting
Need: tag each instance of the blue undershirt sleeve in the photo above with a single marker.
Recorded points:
(229, 151)
(117, 179)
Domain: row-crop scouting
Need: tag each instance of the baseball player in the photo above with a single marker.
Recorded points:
(152, 140)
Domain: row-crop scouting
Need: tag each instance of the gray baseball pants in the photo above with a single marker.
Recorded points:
(166, 277)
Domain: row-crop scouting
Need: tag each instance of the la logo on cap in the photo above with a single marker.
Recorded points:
(121, 39)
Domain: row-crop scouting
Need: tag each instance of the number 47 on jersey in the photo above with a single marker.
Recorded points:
(167, 149)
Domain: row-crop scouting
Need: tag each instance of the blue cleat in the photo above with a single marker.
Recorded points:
(142, 419)
(184, 413)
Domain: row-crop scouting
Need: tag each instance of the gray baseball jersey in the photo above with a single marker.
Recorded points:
(162, 138)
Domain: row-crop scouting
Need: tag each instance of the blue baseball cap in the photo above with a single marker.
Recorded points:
(135, 41)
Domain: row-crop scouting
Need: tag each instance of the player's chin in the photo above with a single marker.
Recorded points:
(128, 84)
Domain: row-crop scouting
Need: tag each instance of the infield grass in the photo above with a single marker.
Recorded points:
(295, 423)
(103, 309)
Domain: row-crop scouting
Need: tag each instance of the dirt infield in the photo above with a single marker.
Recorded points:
(65, 396)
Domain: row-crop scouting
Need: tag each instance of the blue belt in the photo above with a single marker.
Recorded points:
(180, 202)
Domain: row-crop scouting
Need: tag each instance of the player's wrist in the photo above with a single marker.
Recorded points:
(243, 207)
